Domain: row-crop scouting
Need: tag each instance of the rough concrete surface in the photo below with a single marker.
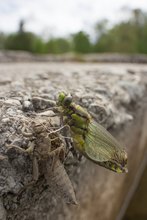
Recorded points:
(115, 95)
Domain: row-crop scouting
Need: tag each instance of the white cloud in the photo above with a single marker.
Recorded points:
(61, 16)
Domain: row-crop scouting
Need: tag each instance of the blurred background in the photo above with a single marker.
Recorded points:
(79, 26)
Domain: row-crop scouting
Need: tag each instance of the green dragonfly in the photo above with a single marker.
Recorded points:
(90, 138)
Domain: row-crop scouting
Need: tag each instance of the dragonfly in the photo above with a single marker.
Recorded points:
(90, 138)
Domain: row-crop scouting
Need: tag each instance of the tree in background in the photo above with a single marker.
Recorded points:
(121, 38)
(81, 43)
(126, 37)
(2, 40)
(139, 20)
(23, 40)
(58, 46)
(100, 31)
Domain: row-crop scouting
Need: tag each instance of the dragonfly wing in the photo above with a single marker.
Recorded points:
(100, 145)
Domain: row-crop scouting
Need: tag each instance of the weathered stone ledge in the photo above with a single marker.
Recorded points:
(22, 56)
(115, 96)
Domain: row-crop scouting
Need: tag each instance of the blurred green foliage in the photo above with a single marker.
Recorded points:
(81, 43)
(2, 40)
(57, 46)
(128, 36)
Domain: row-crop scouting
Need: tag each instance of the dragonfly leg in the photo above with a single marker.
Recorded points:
(58, 153)
(29, 150)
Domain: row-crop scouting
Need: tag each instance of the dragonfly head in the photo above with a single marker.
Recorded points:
(120, 165)
(64, 99)
(118, 168)
(114, 166)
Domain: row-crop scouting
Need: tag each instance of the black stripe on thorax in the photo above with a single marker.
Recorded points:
(74, 110)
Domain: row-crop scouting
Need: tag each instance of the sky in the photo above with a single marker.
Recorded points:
(62, 17)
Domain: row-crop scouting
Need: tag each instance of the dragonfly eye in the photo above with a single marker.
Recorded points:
(68, 100)
(61, 98)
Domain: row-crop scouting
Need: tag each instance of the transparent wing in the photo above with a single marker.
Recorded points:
(100, 145)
